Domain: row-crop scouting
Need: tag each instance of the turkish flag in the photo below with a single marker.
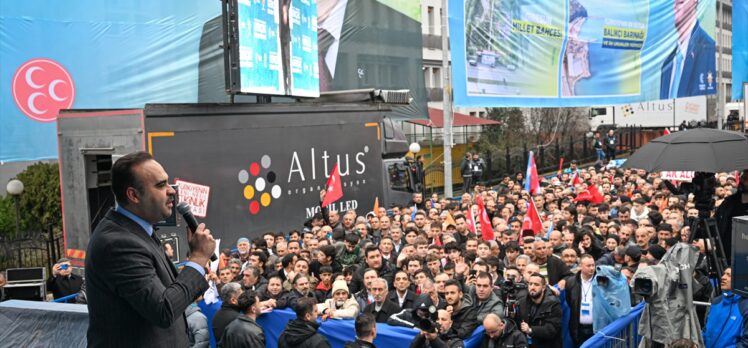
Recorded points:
(532, 219)
(485, 223)
(334, 187)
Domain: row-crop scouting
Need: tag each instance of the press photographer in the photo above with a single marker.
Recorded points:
(437, 334)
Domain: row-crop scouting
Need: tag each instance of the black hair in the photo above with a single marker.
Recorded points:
(124, 177)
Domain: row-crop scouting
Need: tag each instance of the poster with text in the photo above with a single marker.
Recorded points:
(581, 52)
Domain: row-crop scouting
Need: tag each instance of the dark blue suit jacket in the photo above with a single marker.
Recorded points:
(699, 75)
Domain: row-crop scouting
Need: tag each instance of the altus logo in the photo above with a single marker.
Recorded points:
(257, 183)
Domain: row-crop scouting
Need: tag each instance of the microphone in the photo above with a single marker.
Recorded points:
(184, 209)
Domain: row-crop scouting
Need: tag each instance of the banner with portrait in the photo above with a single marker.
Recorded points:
(581, 52)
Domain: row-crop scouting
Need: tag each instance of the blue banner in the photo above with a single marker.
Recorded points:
(260, 62)
(552, 53)
(739, 48)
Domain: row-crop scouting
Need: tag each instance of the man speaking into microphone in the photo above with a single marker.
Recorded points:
(136, 297)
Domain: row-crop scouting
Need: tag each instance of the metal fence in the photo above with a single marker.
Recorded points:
(547, 157)
(32, 249)
(620, 333)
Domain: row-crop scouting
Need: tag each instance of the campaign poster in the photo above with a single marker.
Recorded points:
(553, 53)
(260, 57)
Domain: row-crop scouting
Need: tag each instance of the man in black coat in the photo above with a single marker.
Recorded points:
(302, 331)
(136, 297)
(402, 295)
(732, 206)
(579, 298)
(300, 290)
(63, 282)
(464, 317)
(372, 259)
(445, 337)
(502, 333)
(244, 331)
(229, 309)
(382, 308)
(556, 269)
(540, 314)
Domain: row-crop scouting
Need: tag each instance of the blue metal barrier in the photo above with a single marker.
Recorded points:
(620, 333)
(65, 299)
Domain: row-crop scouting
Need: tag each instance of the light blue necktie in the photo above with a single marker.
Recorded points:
(676, 77)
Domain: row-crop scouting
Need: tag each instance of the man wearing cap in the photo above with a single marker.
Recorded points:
(655, 254)
(341, 305)
(242, 249)
(63, 282)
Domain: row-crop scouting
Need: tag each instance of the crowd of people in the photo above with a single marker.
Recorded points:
(426, 266)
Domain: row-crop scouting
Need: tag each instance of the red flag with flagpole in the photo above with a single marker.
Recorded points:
(532, 219)
(471, 220)
(486, 227)
(334, 187)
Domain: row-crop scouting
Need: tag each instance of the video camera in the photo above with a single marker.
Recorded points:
(429, 325)
(509, 297)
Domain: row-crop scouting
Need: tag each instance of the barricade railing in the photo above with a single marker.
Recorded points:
(623, 332)
(65, 299)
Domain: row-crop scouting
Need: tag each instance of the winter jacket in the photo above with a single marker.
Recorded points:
(349, 310)
(388, 309)
(557, 270)
(223, 318)
(243, 332)
(322, 292)
(511, 337)
(492, 305)
(197, 326)
(359, 344)
(574, 299)
(385, 272)
(464, 321)
(725, 325)
(300, 333)
(280, 299)
(410, 298)
(293, 296)
(448, 339)
(545, 322)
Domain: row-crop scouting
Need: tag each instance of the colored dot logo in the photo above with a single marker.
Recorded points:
(41, 87)
(259, 188)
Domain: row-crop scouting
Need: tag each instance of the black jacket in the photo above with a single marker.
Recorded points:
(557, 270)
(511, 337)
(410, 297)
(545, 322)
(448, 339)
(386, 272)
(280, 299)
(223, 318)
(136, 297)
(63, 286)
(388, 309)
(731, 207)
(300, 333)
(293, 296)
(574, 298)
(359, 344)
(243, 332)
(464, 321)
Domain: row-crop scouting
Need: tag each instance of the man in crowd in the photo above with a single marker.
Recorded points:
(63, 281)
(382, 308)
(229, 310)
(501, 333)
(726, 323)
(540, 314)
(244, 331)
(366, 331)
(483, 298)
(579, 298)
(464, 317)
(444, 335)
(403, 296)
(302, 331)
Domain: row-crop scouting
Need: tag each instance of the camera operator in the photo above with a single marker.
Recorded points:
(502, 333)
(439, 334)
(540, 315)
(732, 206)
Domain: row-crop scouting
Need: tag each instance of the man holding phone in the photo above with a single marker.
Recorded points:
(63, 282)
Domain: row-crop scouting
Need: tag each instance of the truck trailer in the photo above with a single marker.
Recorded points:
(245, 169)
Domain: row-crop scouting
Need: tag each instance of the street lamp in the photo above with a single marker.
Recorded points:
(414, 148)
(15, 188)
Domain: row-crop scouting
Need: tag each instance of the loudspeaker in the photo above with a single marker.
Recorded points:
(21, 275)
(739, 255)
(28, 291)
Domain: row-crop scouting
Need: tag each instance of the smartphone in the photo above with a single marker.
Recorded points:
(64, 267)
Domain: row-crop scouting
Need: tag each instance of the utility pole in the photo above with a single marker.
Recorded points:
(720, 68)
(447, 104)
